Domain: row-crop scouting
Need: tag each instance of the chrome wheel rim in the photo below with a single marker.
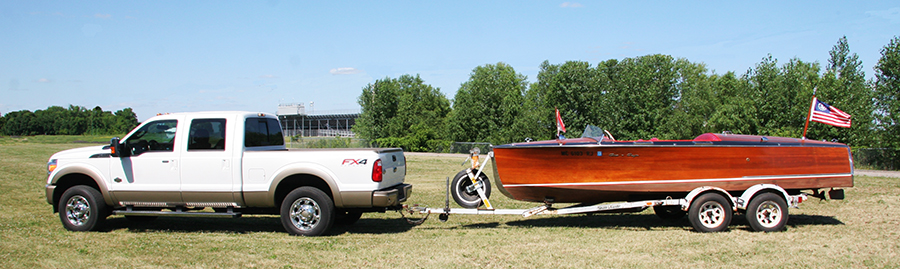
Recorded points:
(305, 213)
(78, 210)
(712, 214)
(768, 214)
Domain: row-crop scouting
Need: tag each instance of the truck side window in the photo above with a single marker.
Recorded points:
(154, 136)
(262, 132)
(207, 134)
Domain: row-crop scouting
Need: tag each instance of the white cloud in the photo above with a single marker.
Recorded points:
(570, 4)
(102, 16)
(345, 71)
(43, 80)
(268, 76)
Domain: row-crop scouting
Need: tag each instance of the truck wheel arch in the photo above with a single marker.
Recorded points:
(289, 179)
(67, 177)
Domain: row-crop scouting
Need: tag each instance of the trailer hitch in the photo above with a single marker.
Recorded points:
(413, 210)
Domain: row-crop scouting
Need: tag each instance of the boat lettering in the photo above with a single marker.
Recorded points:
(578, 153)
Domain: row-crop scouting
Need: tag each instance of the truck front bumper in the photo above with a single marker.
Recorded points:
(391, 196)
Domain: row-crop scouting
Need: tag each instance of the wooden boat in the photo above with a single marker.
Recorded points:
(597, 169)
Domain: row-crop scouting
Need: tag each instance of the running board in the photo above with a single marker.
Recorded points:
(178, 213)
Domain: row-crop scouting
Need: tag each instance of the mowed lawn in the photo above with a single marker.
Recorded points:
(861, 231)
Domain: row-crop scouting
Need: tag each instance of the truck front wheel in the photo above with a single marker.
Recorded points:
(81, 208)
(307, 211)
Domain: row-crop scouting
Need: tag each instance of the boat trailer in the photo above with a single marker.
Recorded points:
(710, 209)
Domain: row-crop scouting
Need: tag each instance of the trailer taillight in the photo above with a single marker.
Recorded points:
(377, 171)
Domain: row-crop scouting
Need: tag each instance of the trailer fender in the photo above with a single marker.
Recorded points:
(701, 190)
(744, 200)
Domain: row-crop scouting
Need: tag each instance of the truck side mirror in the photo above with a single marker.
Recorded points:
(116, 149)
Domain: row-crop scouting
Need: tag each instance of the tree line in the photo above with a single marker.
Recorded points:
(639, 98)
(74, 120)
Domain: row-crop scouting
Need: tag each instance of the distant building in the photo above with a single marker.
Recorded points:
(295, 121)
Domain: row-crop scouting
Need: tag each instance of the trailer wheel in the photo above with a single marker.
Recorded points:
(767, 212)
(710, 212)
(461, 192)
(669, 212)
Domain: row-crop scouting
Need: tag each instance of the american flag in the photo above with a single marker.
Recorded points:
(822, 112)
(560, 126)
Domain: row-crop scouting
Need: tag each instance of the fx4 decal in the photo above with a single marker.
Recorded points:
(354, 162)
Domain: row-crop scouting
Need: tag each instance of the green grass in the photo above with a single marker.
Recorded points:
(861, 231)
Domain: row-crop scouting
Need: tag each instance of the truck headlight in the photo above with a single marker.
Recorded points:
(51, 165)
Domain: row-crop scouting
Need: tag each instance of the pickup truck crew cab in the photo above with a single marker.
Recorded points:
(233, 162)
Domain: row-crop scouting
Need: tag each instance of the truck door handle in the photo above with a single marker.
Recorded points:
(165, 161)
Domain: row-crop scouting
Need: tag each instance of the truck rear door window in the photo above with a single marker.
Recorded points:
(262, 132)
(207, 134)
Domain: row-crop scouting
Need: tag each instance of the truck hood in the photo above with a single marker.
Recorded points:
(81, 153)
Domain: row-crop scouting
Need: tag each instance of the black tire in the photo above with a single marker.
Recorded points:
(82, 208)
(307, 211)
(669, 212)
(710, 212)
(464, 197)
(347, 217)
(767, 212)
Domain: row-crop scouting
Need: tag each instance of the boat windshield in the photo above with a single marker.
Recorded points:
(593, 132)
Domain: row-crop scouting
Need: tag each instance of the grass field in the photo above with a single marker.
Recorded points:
(861, 231)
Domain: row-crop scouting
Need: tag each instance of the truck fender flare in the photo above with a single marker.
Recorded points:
(307, 169)
(701, 190)
(744, 200)
(90, 171)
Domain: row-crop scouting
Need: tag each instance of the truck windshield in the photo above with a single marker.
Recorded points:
(263, 132)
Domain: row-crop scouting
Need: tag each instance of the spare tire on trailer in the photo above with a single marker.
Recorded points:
(465, 196)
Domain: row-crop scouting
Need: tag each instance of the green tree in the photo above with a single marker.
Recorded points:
(402, 112)
(19, 123)
(887, 89)
(487, 106)
(573, 88)
(844, 86)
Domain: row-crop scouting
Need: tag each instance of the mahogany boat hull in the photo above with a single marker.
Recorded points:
(584, 171)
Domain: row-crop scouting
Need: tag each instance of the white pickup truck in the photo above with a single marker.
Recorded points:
(232, 162)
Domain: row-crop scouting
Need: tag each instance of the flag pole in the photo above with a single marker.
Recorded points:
(809, 114)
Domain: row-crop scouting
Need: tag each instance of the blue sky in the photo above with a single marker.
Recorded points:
(174, 56)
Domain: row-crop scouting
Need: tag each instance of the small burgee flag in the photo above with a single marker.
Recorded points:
(560, 126)
(822, 112)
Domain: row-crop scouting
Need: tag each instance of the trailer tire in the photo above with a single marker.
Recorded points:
(465, 198)
(767, 212)
(710, 212)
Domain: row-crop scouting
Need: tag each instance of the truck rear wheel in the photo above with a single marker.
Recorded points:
(767, 212)
(710, 212)
(307, 211)
(466, 196)
(81, 208)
